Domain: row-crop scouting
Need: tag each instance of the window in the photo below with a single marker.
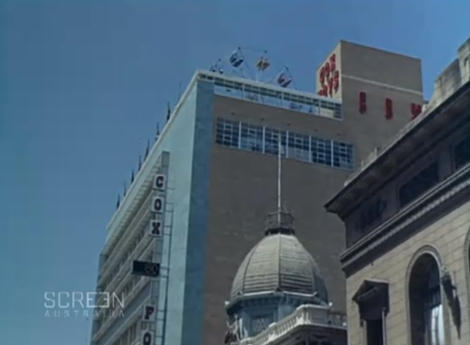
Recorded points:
(374, 332)
(321, 151)
(299, 147)
(462, 153)
(251, 137)
(343, 155)
(227, 133)
(294, 145)
(259, 324)
(271, 141)
(426, 313)
(419, 184)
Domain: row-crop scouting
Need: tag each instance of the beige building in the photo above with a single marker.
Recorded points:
(407, 217)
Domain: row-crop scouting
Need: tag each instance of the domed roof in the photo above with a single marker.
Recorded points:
(279, 262)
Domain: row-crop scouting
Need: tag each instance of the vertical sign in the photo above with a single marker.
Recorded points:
(157, 208)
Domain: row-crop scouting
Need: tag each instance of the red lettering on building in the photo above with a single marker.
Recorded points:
(416, 109)
(388, 109)
(362, 102)
(336, 81)
(329, 78)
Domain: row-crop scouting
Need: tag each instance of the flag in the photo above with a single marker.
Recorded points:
(147, 150)
(168, 112)
(157, 133)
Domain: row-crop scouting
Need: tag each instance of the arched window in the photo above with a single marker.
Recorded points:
(426, 311)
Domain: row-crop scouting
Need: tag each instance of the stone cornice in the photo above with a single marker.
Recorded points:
(454, 186)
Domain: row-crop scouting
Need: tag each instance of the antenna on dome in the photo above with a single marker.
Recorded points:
(279, 184)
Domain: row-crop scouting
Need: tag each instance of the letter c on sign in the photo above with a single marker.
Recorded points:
(159, 182)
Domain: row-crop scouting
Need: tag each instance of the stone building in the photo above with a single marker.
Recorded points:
(407, 218)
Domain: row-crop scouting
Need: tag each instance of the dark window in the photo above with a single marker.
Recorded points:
(271, 141)
(426, 313)
(375, 335)
(299, 147)
(419, 184)
(251, 137)
(462, 153)
(227, 133)
(321, 151)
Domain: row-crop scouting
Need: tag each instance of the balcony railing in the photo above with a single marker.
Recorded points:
(304, 315)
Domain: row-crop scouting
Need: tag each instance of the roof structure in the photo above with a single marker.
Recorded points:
(279, 263)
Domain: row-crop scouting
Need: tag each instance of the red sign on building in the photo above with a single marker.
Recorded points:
(416, 109)
(329, 78)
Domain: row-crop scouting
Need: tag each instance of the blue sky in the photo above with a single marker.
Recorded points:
(82, 84)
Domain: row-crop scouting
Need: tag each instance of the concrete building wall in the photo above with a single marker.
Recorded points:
(380, 75)
(243, 186)
(189, 144)
(447, 237)
(243, 190)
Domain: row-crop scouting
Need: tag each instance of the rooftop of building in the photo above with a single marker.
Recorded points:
(279, 263)
(451, 90)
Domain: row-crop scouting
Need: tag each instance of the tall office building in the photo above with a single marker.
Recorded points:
(217, 154)
(407, 219)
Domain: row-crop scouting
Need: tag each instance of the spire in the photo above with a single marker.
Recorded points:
(140, 162)
(279, 221)
(147, 150)
(132, 176)
(157, 132)
(279, 174)
(125, 189)
(168, 112)
(118, 201)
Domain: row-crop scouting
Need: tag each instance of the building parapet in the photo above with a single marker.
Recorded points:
(305, 315)
(272, 95)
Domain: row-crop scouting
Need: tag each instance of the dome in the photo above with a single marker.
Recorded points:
(279, 263)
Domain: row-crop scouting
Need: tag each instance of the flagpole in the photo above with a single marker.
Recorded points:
(87, 332)
(279, 186)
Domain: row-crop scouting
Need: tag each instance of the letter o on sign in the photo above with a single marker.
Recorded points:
(147, 338)
(157, 204)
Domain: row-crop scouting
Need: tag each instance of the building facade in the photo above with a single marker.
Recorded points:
(218, 155)
(407, 218)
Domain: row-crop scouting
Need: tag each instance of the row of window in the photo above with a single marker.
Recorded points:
(297, 146)
(123, 291)
(429, 176)
(411, 190)
(123, 260)
(282, 99)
